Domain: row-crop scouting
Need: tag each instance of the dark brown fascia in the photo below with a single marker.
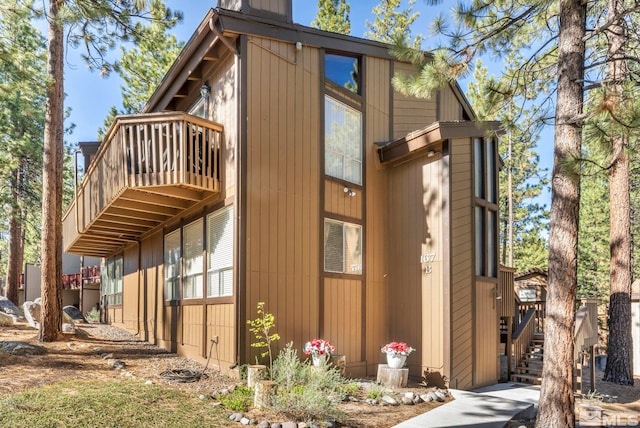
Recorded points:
(418, 142)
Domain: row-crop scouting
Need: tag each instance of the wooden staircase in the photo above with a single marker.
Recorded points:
(529, 368)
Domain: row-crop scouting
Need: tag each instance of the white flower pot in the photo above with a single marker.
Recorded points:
(396, 361)
(316, 359)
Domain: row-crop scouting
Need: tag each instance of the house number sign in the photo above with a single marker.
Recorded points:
(428, 259)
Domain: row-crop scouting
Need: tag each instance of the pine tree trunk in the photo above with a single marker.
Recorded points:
(52, 181)
(556, 405)
(619, 346)
(15, 235)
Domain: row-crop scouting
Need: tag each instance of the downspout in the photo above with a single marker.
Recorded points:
(75, 187)
(139, 285)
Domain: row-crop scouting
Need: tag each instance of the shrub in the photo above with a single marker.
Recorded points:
(239, 400)
(306, 393)
(93, 315)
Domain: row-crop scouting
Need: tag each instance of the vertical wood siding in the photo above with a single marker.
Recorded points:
(130, 289)
(376, 232)
(192, 325)
(283, 188)
(343, 316)
(410, 113)
(221, 323)
(275, 6)
(416, 229)
(461, 264)
(450, 108)
(152, 285)
(336, 201)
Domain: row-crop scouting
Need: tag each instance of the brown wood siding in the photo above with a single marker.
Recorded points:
(487, 356)
(506, 306)
(450, 108)
(461, 264)
(152, 285)
(275, 6)
(192, 330)
(410, 113)
(416, 230)
(130, 289)
(376, 232)
(336, 201)
(342, 318)
(221, 323)
(283, 189)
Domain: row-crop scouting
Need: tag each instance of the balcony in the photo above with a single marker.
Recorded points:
(148, 169)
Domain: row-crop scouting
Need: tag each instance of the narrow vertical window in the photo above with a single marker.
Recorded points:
(480, 241)
(343, 141)
(172, 265)
(192, 260)
(220, 253)
(485, 176)
(478, 167)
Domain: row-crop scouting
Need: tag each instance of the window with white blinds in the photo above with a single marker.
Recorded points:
(192, 260)
(220, 253)
(111, 287)
(172, 265)
(342, 247)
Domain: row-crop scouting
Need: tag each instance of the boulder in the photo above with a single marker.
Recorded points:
(32, 313)
(6, 320)
(69, 328)
(21, 348)
(66, 318)
(9, 308)
(74, 313)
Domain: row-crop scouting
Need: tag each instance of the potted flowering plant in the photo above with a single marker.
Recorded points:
(397, 353)
(318, 349)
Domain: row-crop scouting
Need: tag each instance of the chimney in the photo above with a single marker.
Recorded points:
(278, 10)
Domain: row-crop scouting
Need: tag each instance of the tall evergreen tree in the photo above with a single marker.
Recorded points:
(21, 121)
(142, 66)
(333, 15)
(392, 25)
(96, 25)
(553, 35)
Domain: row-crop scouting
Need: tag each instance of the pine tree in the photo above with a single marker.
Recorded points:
(96, 25)
(392, 25)
(333, 15)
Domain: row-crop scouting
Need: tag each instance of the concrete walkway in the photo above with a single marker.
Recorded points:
(489, 407)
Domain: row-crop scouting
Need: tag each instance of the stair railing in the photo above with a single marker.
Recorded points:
(524, 334)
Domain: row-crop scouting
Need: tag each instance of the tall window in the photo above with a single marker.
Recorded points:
(193, 262)
(343, 71)
(342, 247)
(172, 265)
(485, 173)
(220, 253)
(343, 141)
(111, 281)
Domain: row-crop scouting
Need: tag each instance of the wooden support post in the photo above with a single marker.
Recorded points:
(592, 368)
(255, 373)
(265, 389)
(394, 378)
(507, 348)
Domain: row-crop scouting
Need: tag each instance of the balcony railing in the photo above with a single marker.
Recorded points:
(148, 168)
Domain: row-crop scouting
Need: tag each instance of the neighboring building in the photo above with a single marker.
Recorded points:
(357, 214)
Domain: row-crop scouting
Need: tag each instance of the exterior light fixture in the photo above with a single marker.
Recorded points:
(205, 91)
(349, 191)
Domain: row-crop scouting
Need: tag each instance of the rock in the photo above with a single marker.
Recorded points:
(440, 396)
(264, 424)
(390, 400)
(407, 401)
(99, 351)
(330, 424)
(302, 425)
(371, 401)
(6, 320)
(32, 314)
(314, 425)
(118, 364)
(417, 400)
(149, 382)
(409, 395)
(432, 396)
(245, 421)
(9, 308)
(68, 328)
(289, 425)
(21, 348)
(106, 356)
(236, 417)
(74, 313)
(353, 399)
(276, 425)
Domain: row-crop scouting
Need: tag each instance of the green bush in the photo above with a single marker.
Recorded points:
(93, 315)
(351, 389)
(304, 392)
(239, 400)
(376, 392)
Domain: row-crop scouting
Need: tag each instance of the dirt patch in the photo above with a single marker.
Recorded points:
(79, 358)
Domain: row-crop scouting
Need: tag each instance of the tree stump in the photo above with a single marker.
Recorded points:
(394, 378)
(265, 389)
(339, 362)
(255, 373)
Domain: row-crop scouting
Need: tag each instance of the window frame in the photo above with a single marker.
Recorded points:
(112, 278)
(176, 279)
(190, 290)
(349, 154)
(355, 269)
(485, 162)
(210, 271)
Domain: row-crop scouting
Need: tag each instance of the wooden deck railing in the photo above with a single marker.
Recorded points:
(506, 292)
(540, 313)
(523, 335)
(586, 328)
(146, 150)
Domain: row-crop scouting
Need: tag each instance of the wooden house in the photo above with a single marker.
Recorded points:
(276, 163)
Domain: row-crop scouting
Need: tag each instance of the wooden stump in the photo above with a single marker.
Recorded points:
(394, 378)
(265, 389)
(255, 373)
(339, 362)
